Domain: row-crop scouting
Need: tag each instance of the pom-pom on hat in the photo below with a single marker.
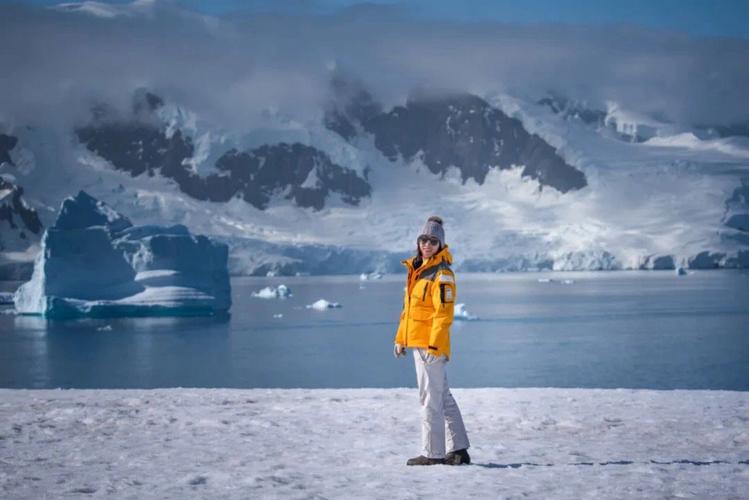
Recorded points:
(433, 227)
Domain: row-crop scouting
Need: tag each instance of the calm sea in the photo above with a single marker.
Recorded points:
(597, 330)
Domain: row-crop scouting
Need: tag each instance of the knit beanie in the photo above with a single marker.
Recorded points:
(433, 227)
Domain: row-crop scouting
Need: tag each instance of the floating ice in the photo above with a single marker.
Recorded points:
(463, 315)
(549, 280)
(370, 276)
(280, 292)
(278, 316)
(323, 304)
(94, 262)
(680, 271)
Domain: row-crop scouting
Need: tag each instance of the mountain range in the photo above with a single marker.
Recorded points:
(522, 183)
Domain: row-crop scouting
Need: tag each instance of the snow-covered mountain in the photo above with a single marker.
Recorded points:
(520, 186)
(20, 226)
(325, 152)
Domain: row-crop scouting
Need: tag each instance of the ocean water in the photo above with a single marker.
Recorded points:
(595, 330)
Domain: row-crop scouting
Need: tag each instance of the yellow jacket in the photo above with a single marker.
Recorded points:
(428, 304)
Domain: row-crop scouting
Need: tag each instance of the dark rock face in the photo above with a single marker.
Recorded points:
(7, 143)
(739, 221)
(16, 213)
(351, 107)
(460, 130)
(268, 169)
(736, 216)
(142, 146)
(571, 110)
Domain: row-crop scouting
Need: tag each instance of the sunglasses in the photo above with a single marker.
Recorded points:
(428, 239)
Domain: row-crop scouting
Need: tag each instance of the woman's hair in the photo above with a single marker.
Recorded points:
(438, 220)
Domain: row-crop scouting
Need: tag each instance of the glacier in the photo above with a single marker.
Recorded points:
(95, 262)
(655, 205)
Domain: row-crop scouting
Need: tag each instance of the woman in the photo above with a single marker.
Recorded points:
(425, 327)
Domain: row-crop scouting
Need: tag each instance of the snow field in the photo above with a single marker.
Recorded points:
(353, 443)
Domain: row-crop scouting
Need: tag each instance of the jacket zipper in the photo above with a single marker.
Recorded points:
(411, 271)
(408, 301)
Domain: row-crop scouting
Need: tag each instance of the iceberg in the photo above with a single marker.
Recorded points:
(280, 292)
(323, 304)
(95, 262)
(461, 314)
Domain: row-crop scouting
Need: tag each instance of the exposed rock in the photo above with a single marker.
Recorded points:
(17, 218)
(307, 175)
(462, 130)
(351, 106)
(572, 110)
(7, 143)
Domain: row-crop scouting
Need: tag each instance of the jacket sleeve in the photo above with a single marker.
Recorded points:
(443, 299)
(400, 335)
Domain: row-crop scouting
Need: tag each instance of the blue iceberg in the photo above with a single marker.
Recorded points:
(95, 262)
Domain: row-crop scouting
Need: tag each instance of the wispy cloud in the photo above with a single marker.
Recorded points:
(55, 64)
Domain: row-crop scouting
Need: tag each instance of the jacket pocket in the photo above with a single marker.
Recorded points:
(422, 313)
(420, 291)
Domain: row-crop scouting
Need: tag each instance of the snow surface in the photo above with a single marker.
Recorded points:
(353, 443)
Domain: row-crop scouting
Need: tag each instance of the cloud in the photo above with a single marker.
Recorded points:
(56, 64)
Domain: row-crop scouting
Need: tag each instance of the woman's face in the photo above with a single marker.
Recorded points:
(428, 246)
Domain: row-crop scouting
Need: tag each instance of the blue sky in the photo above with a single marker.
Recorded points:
(728, 18)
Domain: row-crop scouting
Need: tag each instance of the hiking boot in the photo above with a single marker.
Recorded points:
(458, 457)
(422, 460)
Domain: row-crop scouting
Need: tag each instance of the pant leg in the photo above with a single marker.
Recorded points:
(457, 438)
(431, 379)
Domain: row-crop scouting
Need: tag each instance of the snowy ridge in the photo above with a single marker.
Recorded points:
(658, 201)
(178, 443)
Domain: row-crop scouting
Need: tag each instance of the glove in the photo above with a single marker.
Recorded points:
(399, 350)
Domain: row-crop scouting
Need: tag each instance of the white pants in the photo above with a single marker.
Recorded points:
(438, 407)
